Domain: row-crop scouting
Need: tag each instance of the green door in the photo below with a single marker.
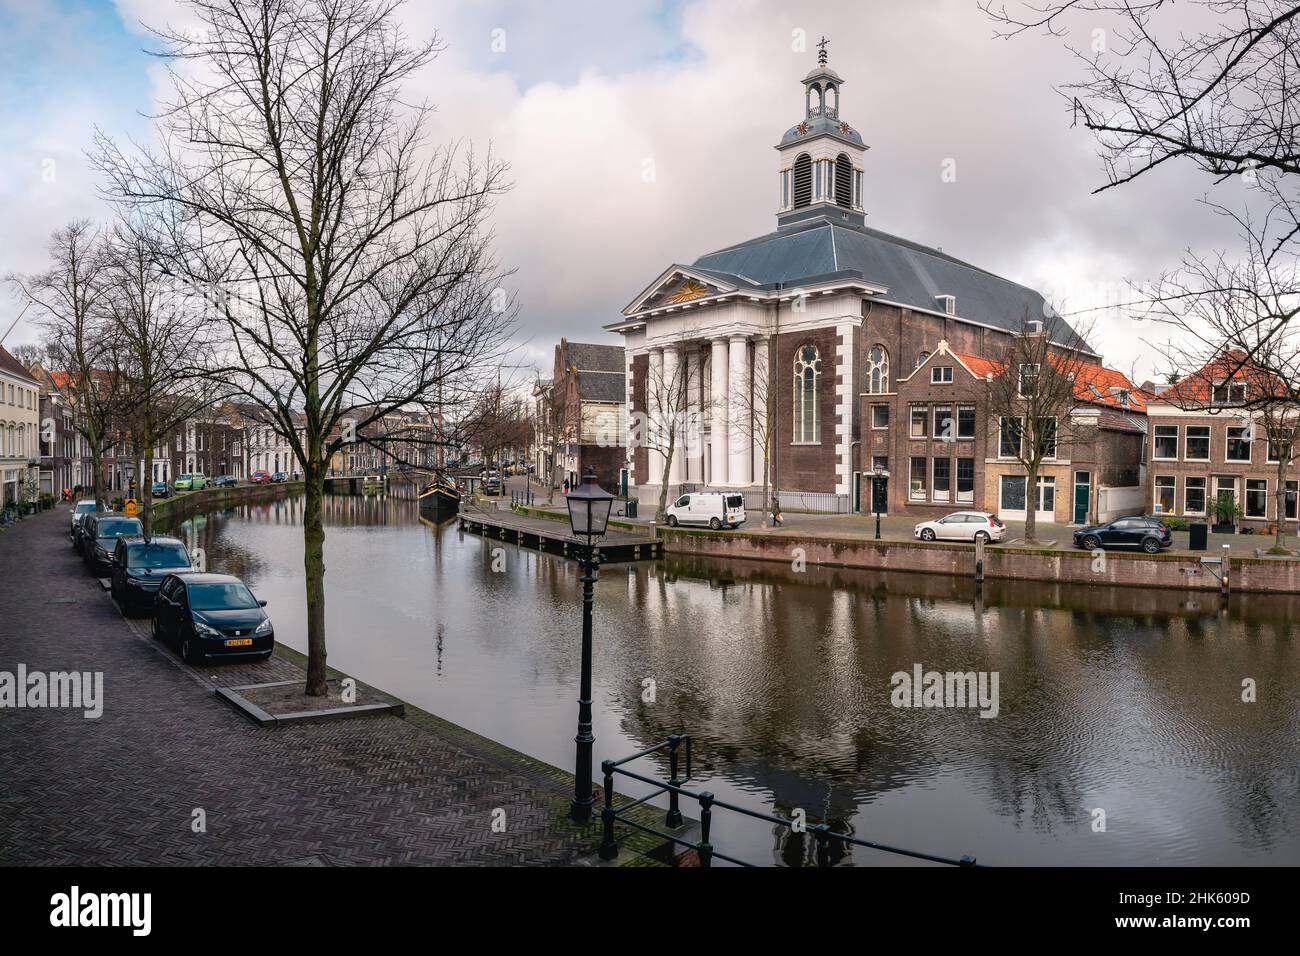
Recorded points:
(1082, 485)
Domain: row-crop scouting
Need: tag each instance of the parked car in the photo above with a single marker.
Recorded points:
(962, 526)
(99, 537)
(160, 489)
(139, 566)
(211, 616)
(713, 508)
(280, 476)
(85, 506)
(491, 486)
(1140, 531)
(260, 477)
(190, 482)
(224, 481)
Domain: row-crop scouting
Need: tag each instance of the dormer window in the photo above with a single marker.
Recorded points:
(948, 303)
(1229, 393)
(1121, 395)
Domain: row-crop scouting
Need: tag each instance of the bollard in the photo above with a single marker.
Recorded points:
(979, 560)
(822, 834)
(1224, 587)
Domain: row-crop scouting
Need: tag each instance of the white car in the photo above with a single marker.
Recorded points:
(713, 508)
(82, 508)
(962, 526)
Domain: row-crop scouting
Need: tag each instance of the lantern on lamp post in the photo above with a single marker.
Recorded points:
(589, 507)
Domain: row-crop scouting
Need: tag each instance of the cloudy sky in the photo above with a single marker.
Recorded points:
(640, 134)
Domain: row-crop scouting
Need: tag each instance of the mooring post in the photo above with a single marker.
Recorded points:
(674, 818)
(705, 848)
(608, 845)
(1224, 587)
(979, 560)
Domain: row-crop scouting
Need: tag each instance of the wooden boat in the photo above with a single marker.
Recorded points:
(440, 499)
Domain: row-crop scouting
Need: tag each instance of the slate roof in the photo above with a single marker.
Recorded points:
(596, 358)
(602, 386)
(914, 274)
(14, 367)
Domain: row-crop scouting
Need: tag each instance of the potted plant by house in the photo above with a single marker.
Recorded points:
(1226, 513)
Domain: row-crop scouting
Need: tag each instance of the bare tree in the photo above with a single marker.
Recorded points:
(1029, 407)
(348, 260)
(80, 344)
(162, 344)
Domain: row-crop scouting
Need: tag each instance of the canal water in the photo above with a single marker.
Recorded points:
(1121, 735)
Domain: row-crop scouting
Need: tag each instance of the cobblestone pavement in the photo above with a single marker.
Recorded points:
(123, 788)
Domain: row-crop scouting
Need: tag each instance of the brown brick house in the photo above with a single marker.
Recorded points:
(588, 401)
(1209, 439)
(943, 449)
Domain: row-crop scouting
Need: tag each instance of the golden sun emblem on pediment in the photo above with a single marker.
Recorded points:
(690, 289)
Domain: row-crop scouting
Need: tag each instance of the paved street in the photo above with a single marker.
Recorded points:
(122, 789)
(899, 527)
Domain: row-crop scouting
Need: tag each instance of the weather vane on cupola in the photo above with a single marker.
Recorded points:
(821, 51)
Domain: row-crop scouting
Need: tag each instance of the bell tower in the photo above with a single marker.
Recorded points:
(821, 157)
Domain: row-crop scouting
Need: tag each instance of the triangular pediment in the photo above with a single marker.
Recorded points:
(677, 286)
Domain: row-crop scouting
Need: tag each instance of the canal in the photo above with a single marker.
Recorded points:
(1126, 701)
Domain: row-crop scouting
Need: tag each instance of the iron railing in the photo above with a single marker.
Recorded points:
(708, 803)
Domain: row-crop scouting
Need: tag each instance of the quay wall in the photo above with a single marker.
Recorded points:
(214, 499)
(1178, 570)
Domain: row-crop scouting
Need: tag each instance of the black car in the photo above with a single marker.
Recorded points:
(280, 476)
(211, 616)
(1150, 534)
(139, 566)
(99, 534)
(224, 481)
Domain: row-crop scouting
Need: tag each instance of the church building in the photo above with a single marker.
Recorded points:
(790, 347)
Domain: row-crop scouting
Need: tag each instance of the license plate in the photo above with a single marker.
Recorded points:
(241, 642)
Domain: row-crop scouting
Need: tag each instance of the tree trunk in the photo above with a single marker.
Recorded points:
(663, 484)
(313, 534)
(1279, 541)
(101, 476)
(764, 499)
(1031, 503)
(146, 481)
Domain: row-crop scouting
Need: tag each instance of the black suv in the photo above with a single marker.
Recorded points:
(1150, 534)
(99, 534)
(139, 566)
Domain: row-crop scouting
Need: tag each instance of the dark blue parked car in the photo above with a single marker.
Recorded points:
(1150, 534)
(139, 566)
(211, 616)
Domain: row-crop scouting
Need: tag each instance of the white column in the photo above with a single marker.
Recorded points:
(718, 398)
(673, 413)
(654, 416)
(762, 388)
(692, 440)
(740, 458)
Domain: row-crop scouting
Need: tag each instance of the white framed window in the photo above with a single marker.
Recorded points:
(877, 369)
(1028, 379)
(1165, 494)
(944, 426)
(941, 375)
(1238, 445)
(918, 424)
(1165, 446)
(807, 395)
(916, 484)
(941, 485)
(1010, 437)
(1194, 495)
(879, 417)
(965, 480)
(1256, 498)
(1197, 443)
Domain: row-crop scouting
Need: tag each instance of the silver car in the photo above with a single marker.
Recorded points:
(962, 526)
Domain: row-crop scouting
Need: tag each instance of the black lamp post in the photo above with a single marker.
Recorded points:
(589, 506)
(878, 472)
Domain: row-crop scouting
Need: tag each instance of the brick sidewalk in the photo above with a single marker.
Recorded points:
(122, 789)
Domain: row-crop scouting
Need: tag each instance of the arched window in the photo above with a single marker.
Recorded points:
(920, 359)
(878, 370)
(807, 395)
(802, 180)
(843, 181)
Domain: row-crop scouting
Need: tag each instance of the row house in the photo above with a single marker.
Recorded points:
(1214, 437)
(20, 410)
(66, 458)
(939, 445)
(543, 462)
(587, 412)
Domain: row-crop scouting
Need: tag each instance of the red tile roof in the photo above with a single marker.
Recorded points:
(1196, 389)
(1086, 374)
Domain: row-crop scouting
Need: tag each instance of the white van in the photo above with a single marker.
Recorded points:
(713, 508)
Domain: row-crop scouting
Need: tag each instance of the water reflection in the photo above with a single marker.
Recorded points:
(1124, 700)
